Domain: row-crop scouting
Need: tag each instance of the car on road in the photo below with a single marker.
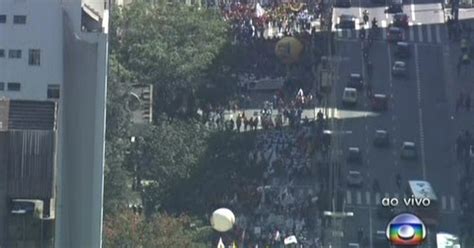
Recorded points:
(399, 69)
(346, 22)
(408, 150)
(381, 138)
(400, 20)
(343, 3)
(354, 155)
(355, 81)
(354, 179)
(395, 34)
(402, 50)
(349, 96)
(379, 102)
(395, 6)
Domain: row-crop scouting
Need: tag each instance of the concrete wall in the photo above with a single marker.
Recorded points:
(81, 146)
(41, 31)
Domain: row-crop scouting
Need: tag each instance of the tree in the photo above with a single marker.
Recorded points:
(126, 229)
(116, 192)
(172, 46)
(172, 150)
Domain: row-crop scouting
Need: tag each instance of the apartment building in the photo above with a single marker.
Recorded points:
(53, 67)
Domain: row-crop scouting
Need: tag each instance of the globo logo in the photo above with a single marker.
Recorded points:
(406, 229)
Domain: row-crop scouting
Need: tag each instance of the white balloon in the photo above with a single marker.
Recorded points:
(222, 220)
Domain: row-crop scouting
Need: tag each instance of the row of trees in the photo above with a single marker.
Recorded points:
(186, 54)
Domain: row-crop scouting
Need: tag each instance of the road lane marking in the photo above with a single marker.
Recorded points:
(412, 7)
(443, 202)
(452, 203)
(340, 33)
(428, 28)
(420, 113)
(367, 197)
(420, 32)
(377, 198)
(359, 198)
(348, 197)
(411, 33)
(389, 53)
(438, 35)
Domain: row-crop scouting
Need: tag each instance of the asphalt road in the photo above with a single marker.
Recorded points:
(421, 109)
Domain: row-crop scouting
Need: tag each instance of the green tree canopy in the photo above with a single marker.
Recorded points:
(171, 46)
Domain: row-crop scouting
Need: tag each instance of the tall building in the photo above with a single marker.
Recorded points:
(53, 73)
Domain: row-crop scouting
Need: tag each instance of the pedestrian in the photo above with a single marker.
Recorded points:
(468, 102)
(250, 123)
(239, 122)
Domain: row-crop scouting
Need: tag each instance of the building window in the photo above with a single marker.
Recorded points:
(2, 86)
(13, 86)
(2, 53)
(19, 19)
(34, 57)
(53, 91)
(3, 18)
(14, 54)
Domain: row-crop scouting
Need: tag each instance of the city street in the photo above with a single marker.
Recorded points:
(420, 110)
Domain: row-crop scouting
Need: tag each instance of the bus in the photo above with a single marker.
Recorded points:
(422, 190)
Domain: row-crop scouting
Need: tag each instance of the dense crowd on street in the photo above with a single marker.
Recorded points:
(284, 202)
(270, 19)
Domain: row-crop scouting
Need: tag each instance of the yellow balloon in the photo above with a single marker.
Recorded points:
(288, 49)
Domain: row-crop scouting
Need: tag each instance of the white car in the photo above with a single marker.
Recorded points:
(408, 150)
(349, 96)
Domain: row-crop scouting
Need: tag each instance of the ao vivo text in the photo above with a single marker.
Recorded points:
(408, 201)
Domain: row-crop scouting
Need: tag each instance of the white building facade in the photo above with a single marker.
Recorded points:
(56, 50)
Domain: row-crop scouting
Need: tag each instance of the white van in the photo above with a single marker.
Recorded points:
(349, 96)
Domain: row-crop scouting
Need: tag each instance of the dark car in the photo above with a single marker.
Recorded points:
(355, 81)
(395, 34)
(381, 138)
(343, 3)
(395, 6)
(346, 22)
(379, 102)
(354, 155)
(400, 20)
(402, 50)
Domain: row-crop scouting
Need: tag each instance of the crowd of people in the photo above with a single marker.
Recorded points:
(284, 202)
(270, 19)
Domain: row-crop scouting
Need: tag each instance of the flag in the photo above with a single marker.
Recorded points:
(290, 240)
(259, 11)
(220, 244)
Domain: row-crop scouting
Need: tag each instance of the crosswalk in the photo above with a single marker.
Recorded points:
(416, 32)
(369, 198)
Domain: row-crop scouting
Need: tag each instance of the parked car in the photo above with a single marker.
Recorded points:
(343, 3)
(395, 6)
